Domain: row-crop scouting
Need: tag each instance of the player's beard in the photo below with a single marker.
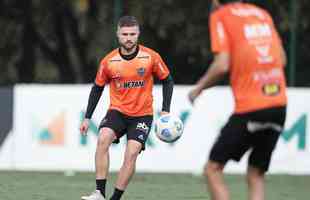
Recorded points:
(130, 48)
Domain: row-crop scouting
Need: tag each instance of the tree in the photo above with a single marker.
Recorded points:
(62, 41)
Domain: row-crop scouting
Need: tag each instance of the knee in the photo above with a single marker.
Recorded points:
(104, 139)
(212, 168)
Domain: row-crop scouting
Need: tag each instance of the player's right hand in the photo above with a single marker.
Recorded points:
(193, 94)
(84, 126)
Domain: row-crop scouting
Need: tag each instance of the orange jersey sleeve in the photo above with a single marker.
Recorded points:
(218, 34)
(102, 76)
(160, 69)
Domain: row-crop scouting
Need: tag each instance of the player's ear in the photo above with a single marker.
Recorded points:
(117, 30)
(138, 31)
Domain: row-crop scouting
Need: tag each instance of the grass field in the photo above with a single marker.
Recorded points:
(56, 186)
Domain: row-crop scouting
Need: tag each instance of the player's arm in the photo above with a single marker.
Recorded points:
(97, 89)
(167, 93)
(161, 71)
(94, 96)
(93, 100)
(216, 72)
(220, 66)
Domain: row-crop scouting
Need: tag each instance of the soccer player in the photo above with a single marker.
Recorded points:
(246, 45)
(129, 70)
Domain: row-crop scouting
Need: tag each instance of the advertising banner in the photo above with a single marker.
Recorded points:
(45, 134)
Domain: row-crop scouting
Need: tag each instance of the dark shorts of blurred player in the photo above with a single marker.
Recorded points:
(135, 128)
(257, 131)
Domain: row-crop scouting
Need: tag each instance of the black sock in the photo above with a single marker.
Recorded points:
(117, 194)
(100, 185)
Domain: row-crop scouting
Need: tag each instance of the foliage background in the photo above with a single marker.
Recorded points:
(62, 41)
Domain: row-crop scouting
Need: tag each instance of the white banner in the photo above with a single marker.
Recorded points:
(46, 136)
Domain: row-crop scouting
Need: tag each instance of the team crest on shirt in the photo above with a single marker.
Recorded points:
(141, 71)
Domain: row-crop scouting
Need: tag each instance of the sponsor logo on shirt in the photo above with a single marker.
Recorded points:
(134, 84)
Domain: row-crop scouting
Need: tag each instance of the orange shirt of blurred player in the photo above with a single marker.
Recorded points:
(131, 81)
(248, 34)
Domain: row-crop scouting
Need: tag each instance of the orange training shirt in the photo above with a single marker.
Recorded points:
(131, 81)
(248, 34)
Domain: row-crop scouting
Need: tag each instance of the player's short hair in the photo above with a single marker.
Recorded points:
(128, 21)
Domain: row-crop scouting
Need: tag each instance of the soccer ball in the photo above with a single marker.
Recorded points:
(168, 128)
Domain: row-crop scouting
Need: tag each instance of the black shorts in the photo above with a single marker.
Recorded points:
(136, 128)
(255, 131)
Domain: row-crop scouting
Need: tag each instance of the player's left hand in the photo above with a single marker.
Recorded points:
(84, 126)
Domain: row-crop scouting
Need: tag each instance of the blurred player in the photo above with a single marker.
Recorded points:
(246, 45)
(129, 71)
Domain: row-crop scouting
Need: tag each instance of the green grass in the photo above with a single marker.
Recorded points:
(56, 186)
